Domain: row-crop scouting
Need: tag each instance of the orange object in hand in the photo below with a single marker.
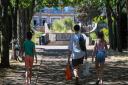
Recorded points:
(68, 72)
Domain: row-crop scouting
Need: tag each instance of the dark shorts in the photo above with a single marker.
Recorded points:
(76, 62)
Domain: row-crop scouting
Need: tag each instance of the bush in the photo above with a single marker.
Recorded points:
(58, 26)
(105, 30)
(106, 34)
(93, 36)
(62, 25)
(36, 36)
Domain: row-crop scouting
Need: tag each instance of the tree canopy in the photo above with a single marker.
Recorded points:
(16, 16)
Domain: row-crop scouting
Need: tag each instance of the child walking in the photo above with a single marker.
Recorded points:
(29, 50)
(100, 54)
(76, 53)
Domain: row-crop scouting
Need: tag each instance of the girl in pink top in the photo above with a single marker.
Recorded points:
(100, 54)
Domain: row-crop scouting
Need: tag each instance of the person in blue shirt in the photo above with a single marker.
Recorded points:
(76, 53)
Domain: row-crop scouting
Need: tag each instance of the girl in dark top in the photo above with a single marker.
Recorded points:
(100, 54)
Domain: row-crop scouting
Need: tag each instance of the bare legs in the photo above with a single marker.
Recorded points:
(28, 70)
(99, 71)
(75, 71)
(28, 75)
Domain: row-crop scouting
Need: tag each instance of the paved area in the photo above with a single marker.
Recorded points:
(50, 69)
(15, 74)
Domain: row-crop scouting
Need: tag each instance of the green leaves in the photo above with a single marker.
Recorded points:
(63, 25)
(25, 3)
(22, 3)
(88, 9)
(13, 2)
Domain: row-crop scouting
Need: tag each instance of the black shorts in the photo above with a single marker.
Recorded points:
(76, 62)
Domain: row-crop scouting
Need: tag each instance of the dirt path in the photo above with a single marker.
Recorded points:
(53, 67)
(51, 70)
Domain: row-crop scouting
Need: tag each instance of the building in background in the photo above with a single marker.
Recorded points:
(48, 15)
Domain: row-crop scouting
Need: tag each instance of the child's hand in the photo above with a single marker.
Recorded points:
(23, 58)
(68, 61)
(85, 57)
(36, 60)
(92, 59)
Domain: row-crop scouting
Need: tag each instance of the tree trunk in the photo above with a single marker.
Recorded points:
(6, 34)
(119, 44)
(127, 6)
(0, 44)
(127, 19)
(6, 38)
(5, 53)
(111, 41)
(25, 17)
(115, 34)
(24, 24)
(0, 27)
(14, 26)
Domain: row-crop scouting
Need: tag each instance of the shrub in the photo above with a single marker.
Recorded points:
(106, 34)
(62, 25)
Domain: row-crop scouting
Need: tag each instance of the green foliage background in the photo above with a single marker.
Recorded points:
(62, 25)
(100, 19)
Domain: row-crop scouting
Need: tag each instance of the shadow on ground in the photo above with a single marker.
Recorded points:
(52, 70)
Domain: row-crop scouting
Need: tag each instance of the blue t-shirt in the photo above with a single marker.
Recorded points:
(74, 46)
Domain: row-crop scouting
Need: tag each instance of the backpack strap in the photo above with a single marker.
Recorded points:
(85, 45)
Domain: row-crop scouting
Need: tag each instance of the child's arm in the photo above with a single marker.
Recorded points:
(94, 52)
(21, 51)
(86, 56)
(69, 54)
(70, 47)
(106, 48)
(35, 55)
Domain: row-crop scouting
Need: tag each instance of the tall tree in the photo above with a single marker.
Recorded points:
(25, 13)
(6, 33)
(109, 17)
(116, 8)
(15, 19)
(127, 6)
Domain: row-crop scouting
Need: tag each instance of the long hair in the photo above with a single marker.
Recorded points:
(100, 35)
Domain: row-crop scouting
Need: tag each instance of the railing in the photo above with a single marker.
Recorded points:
(63, 37)
(60, 36)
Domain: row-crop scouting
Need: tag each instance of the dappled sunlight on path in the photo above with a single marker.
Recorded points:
(50, 70)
